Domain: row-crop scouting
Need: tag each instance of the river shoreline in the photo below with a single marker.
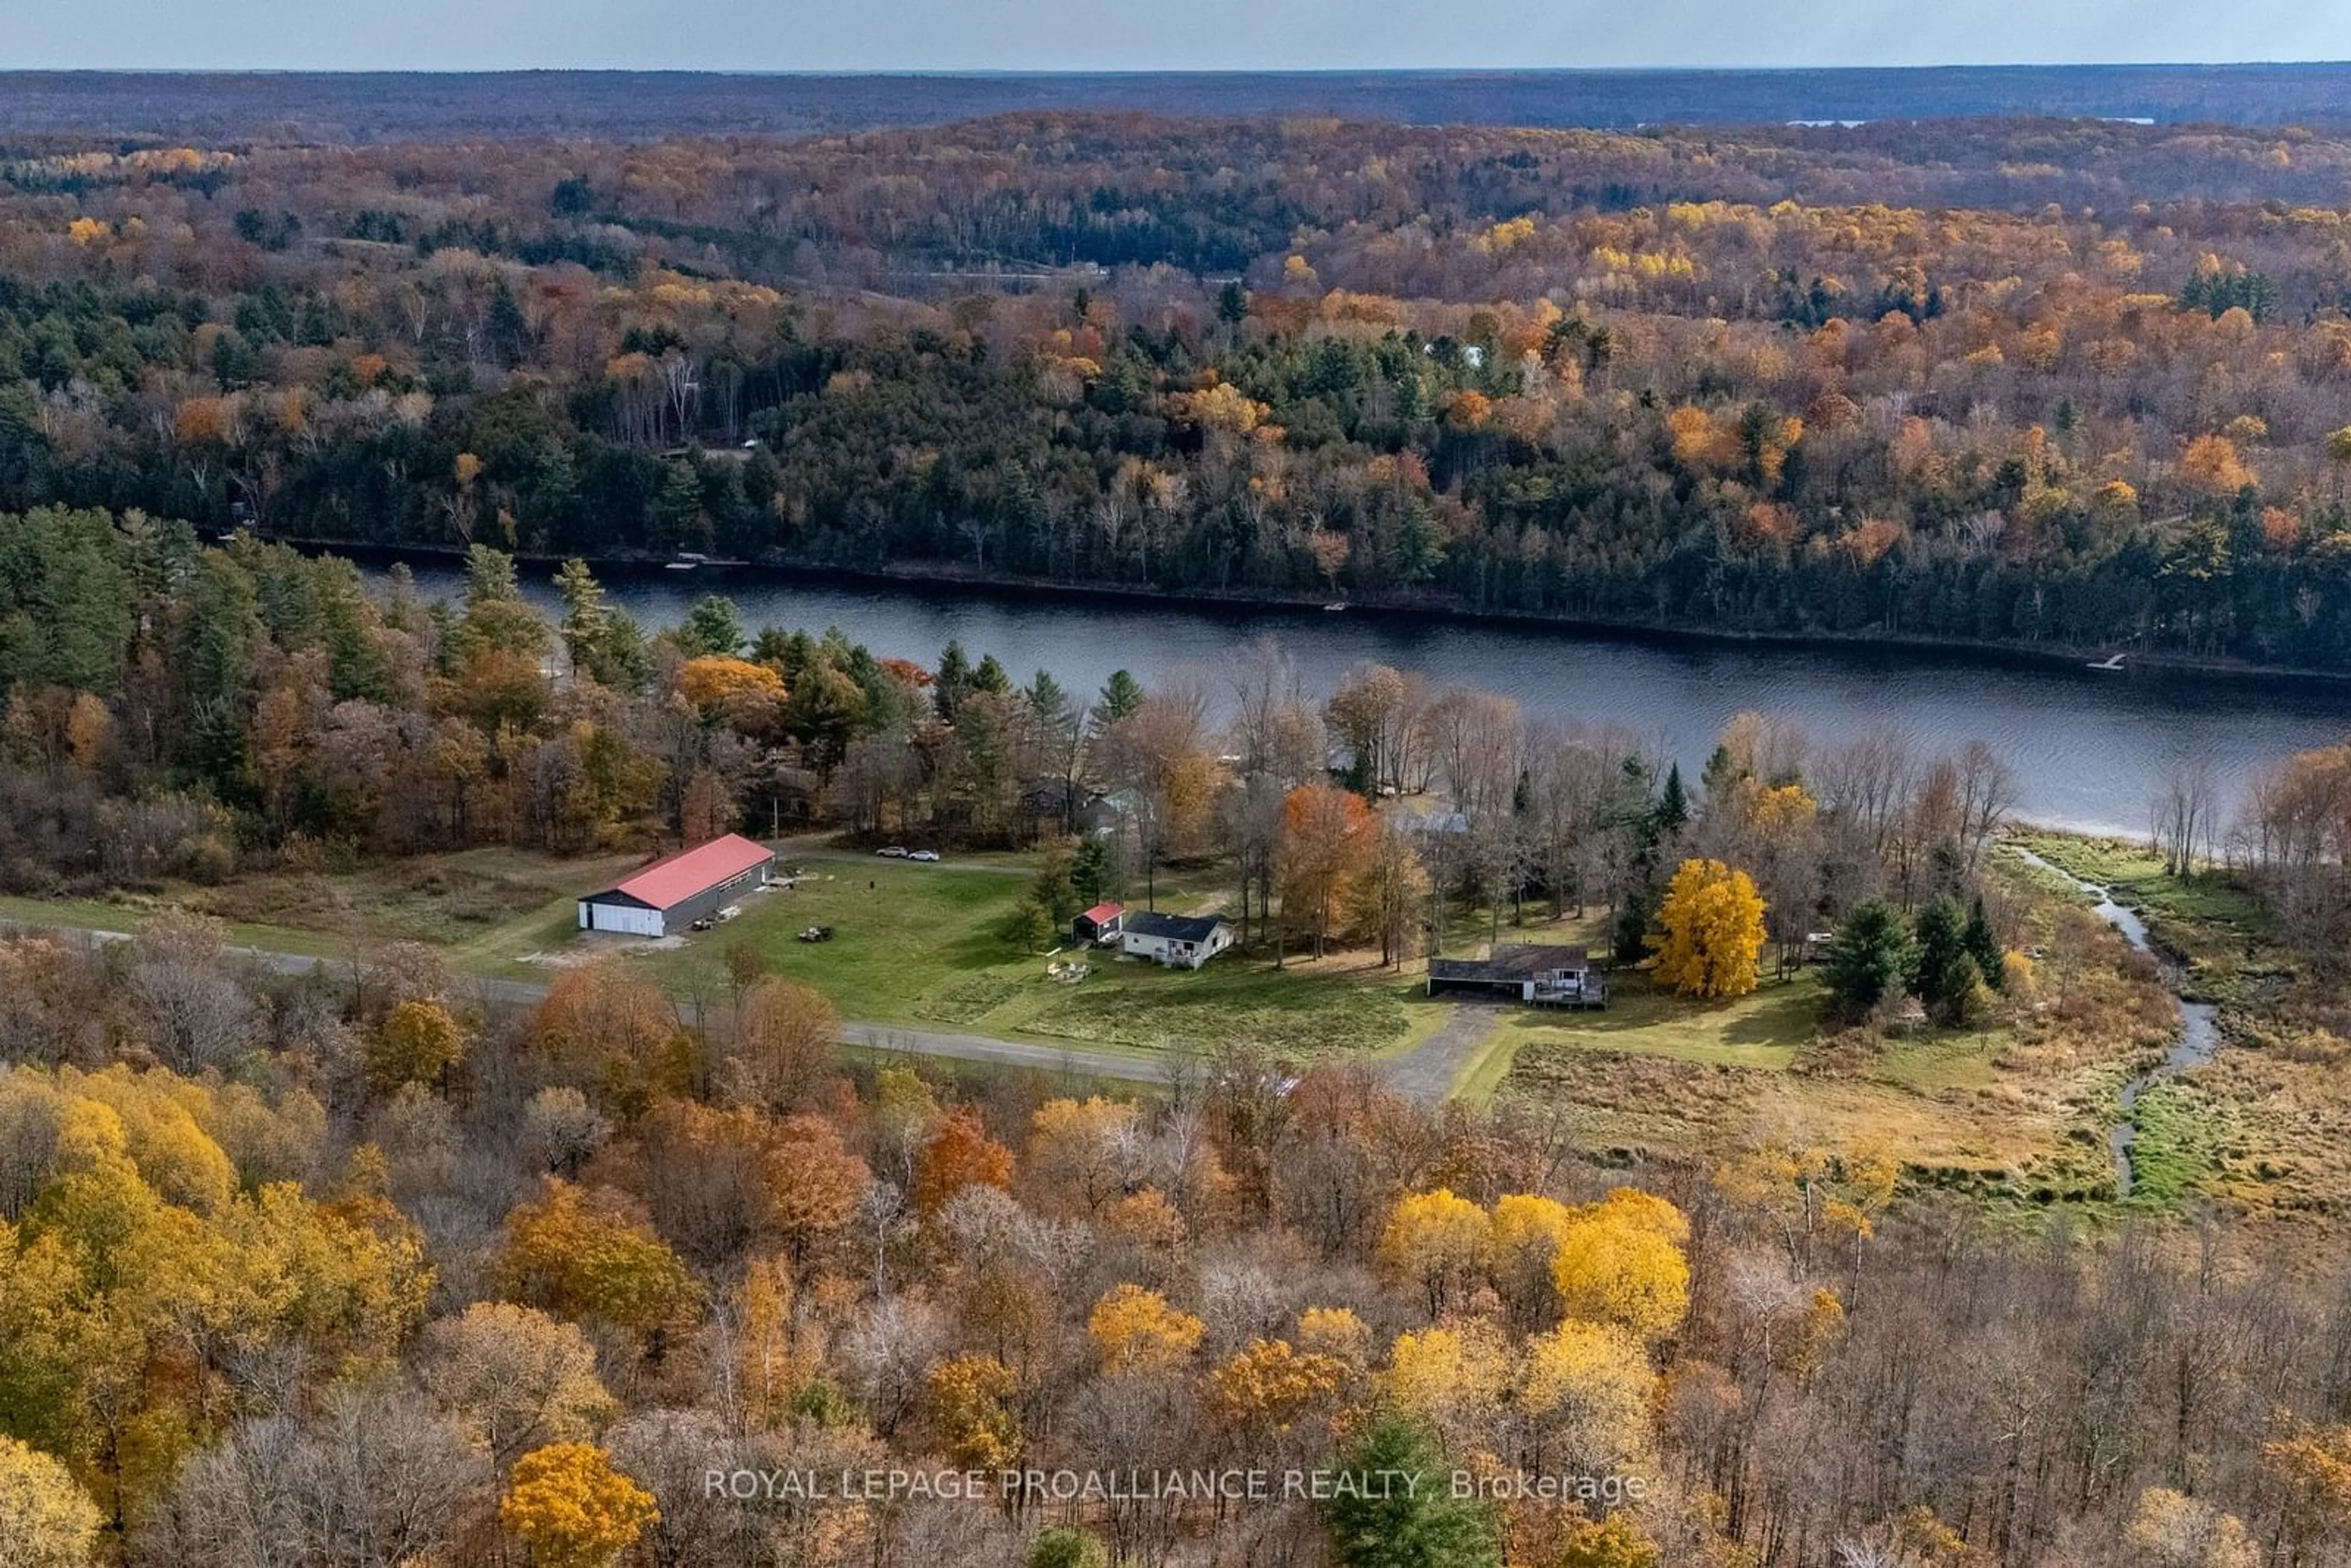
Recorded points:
(2089, 750)
(943, 576)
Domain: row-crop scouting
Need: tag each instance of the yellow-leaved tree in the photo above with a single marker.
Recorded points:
(137, 1267)
(1524, 1237)
(46, 1520)
(418, 1042)
(1135, 1330)
(716, 678)
(1713, 929)
(1435, 1241)
(1620, 1261)
(592, 1253)
(1585, 1392)
(969, 1399)
(1336, 1333)
(2173, 1530)
(1272, 1385)
(1455, 1377)
(573, 1508)
(1614, 1542)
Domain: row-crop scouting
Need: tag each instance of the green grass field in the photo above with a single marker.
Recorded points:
(2182, 1137)
(907, 940)
(920, 945)
(1764, 1028)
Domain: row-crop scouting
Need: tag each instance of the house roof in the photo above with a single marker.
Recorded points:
(1174, 927)
(1531, 958)
(1518, 962)
(1101, 912)
(680, 876)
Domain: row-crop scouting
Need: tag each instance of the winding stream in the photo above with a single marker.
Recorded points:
(2199, 1026)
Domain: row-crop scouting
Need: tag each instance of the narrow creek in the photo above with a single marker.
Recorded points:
(2200, 1025)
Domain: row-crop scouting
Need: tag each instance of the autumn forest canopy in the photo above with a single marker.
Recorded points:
(2060, 384)
(1799, 1163)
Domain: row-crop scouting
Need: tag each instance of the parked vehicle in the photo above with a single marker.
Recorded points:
(894, 853)
(923, 855)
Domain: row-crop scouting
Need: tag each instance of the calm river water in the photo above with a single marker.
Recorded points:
(2090, 748)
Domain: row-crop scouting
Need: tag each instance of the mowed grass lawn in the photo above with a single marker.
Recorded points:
(921, 946)
(1763, 1029)
(899, 930)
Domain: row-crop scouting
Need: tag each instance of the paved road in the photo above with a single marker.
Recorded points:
(1428, 1072)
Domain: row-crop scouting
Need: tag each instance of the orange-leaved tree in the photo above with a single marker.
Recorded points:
(959, 1155)
(1325, 844)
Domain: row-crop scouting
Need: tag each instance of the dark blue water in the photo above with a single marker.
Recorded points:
(2090, 749)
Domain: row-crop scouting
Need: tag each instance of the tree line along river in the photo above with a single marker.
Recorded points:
(2090, 748)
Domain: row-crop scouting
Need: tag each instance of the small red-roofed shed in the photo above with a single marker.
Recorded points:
(1100, 923)
(671, 893)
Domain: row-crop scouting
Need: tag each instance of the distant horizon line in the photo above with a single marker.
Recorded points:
(969, 73)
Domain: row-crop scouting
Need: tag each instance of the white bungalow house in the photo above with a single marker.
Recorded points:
(1190, 940)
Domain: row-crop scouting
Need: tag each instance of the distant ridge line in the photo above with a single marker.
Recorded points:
(416, 106)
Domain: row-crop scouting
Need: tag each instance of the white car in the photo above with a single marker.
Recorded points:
(894, 853)
(923, 855)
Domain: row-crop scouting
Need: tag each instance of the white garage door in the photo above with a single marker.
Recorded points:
(622, 917)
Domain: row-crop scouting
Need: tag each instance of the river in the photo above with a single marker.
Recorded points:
(2090, 748)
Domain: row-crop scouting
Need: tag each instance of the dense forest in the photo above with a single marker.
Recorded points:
(394, 1256)
(373, 1265)
(400, 1279)
(2061, 383)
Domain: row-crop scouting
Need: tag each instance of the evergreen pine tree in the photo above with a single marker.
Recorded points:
(1982, 944)
(1400, 1511)
(711, 626)
(1946, 972)
(1090, 872)
(1121, 695)
(1671, 813)
(954, 680)
(1870, 959)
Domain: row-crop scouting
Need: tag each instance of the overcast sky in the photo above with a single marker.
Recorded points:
(1148, 35)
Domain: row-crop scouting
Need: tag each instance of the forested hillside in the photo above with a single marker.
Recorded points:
(1872, 1203)
(2033, 382)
